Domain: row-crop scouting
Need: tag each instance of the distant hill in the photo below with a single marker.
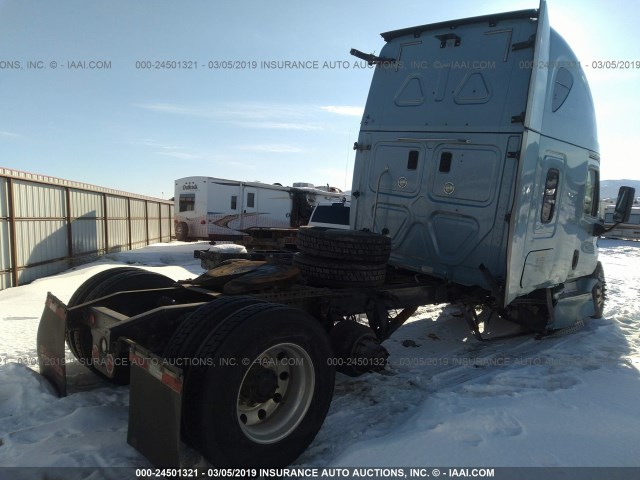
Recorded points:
(609, 188)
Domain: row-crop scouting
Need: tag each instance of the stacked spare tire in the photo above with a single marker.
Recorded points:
(342, 258)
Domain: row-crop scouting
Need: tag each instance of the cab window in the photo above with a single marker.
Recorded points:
(591, 194)
(550, 195)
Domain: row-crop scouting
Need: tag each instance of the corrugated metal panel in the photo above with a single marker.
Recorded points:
(5, 281)
(5, 239)
(153, 214)
(87, 222)
(137, 209)
(5, 257)
(33, 200)
(116, 207)
(117, 224)
(166, 221)
(33, 273)
(45, 179)
(138, 224)
(86, 204)
(118, 234)
(40, 241)
(154, 230)
(87, 235)
(46, 243)
(5, 254)
(173, 231)
(165, 211)
(138, 233)
(4, 198)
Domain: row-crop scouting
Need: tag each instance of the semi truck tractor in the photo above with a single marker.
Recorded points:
(475, 182)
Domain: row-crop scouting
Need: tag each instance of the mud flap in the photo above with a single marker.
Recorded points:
(574, 305)
(573, 310)
(155, 404)
(50, 341)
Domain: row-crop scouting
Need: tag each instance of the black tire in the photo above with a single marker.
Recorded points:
(187, 338)
(182, 231)
(598, 292)
(135, 279)
(106, 283)
(273, 432)
(332, 273)
(80, 295)
(350, 245)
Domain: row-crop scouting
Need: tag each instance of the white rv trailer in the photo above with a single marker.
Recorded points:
(220, 209)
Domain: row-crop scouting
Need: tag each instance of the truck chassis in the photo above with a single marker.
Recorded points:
(170, 339)
(255, 362)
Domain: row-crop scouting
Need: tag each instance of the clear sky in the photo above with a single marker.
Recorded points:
(137, 129)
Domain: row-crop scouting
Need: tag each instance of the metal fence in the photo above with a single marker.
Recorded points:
(48, 224)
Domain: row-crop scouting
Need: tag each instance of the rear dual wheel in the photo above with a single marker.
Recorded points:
(188, 337)
(259, 388)
(76, 338)
(282, 373)
(80, 340)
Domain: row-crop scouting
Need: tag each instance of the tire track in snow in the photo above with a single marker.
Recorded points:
(375, 404)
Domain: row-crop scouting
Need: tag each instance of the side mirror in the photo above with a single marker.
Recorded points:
(622, 212)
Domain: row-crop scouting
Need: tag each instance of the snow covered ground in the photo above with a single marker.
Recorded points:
(445, 399)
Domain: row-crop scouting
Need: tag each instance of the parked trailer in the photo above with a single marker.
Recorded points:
(472, 185)
(219, 209)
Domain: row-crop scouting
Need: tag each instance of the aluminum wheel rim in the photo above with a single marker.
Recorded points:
(274, 419)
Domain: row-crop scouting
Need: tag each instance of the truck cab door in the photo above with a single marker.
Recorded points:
(538, 81)
(518, 247)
